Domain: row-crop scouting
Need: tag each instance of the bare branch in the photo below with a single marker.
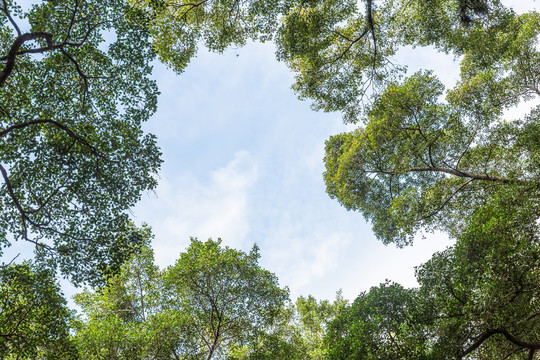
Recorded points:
(12, 260)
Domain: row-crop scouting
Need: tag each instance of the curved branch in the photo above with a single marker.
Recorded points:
(79, 70)
(489, 333)
(59, 125)
(13, 52)
(455, 172)
(516, 341)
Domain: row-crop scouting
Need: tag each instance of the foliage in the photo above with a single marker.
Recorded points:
(343, 52)
(128, 243)
(428, 159)
(128, 319)
(178, 27)
(34, 318)
(283, 340)
(420, 163)
(380, 324)
(339, 54)
(73, 158)
(424, 162)
(485, 289)
(296, 334)
(313, 318)
(229, 297)
(211, 300)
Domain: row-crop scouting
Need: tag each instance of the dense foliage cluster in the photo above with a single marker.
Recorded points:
(73, 158)
(34, 318)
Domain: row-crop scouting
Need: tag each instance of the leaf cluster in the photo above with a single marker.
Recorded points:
(34, 318)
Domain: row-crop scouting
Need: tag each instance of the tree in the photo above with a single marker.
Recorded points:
(337, 52)
(485, 290)
(34, 318)
(282, 340)
(384, 323)
(428, 159)
(420, 163)
(210, 301)
(130, 319)
(227, 294)
(417, 160)
(297, 334)
(313, 319)
(74, 90)
(342, 51)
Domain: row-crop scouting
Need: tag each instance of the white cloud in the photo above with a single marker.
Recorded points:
(216, 207)
(307, 260)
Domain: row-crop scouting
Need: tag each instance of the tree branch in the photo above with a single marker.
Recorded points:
(350, 46)
(15, 200)
(532, 346)
(11, 262)
(458, 173)
(59, 125)
(371, 27)
(13, 52)
(446, 201)
(6, 11)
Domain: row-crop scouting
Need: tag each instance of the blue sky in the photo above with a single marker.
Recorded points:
(244, 162)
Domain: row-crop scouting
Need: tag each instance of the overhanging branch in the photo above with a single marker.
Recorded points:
(13, 52)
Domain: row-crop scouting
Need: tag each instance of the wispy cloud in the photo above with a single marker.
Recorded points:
(213, 207)
(302, 262)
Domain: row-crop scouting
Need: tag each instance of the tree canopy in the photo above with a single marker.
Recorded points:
(34, 319)
(75, 90)
(428, 159)
(178, 27)
(475, 300)
(213, 299)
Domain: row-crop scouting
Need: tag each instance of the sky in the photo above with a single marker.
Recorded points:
(243, 161)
